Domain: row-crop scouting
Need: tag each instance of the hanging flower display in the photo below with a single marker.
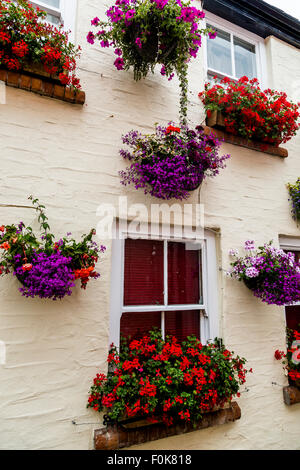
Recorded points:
(291, 359)
(26, 40)
(45, 268)
(294, 190)
(166, 380)
(266, 116)
(172, 162)
(149, 32)
(272, 274)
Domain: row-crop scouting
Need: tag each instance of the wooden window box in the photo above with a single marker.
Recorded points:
(215, 124)
(115, 437)
(43, 84)
(291, 395)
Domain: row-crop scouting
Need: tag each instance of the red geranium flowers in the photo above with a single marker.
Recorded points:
(266, 116)
(167, 380)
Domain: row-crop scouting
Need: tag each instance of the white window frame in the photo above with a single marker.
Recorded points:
(209, 317)
(66, 13)
(290, 244)
(241, 33)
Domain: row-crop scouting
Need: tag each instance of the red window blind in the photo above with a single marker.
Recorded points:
(182, 324)
(292, 313)
(135, 325)
(144, 272)
(144, 285)
(183, 274)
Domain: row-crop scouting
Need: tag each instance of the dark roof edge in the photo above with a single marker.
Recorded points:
(258, 17)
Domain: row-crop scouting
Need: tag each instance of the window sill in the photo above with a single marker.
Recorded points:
(116, 437)
(242, 142)
(41, 85)
(291, 395)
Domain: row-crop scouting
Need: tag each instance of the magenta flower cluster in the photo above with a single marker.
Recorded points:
(50, 277)
(271, 273)
(172, 162)
(149, 32)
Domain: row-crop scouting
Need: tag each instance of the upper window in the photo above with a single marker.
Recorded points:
(59, 12)
(168, 284)
(234, 53)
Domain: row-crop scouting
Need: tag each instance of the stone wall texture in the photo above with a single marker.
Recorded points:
(67, 156)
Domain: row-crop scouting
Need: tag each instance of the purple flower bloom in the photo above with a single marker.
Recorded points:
(118, 51)
(104, 43)
(119, 63)
(212, 35)
(90, 37)
(138, 42)
(95, 21)
(129, 15)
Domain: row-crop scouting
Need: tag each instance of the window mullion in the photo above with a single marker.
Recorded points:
(232, 55)
(163, 334)
(165, 272)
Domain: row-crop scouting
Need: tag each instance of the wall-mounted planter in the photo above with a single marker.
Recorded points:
(115, 437)
(291, 395)
(45, 85)
(215, 123)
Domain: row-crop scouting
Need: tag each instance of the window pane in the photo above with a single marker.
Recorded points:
(53, 19)
(182, 324)
(245, 59)
(183, 274)
(135, 325)
(144, 272)
(293, 317)
(52, 3)
(219, 52)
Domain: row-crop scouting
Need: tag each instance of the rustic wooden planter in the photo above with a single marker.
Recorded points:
(38, 70)
(291, 395)
(216, 119)
(116, 436)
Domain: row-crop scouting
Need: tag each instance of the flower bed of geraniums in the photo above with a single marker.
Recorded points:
(264, 116)
(270, 273)
(27, 42)
(294, 190)
(291, 359)
(149, 32)
(172, 162)
(164, 380)
(45, 268)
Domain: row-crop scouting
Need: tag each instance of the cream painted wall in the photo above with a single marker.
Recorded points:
(68, 157)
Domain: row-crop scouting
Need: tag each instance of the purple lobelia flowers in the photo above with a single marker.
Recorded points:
(50, 276)
(272, 274)
(172, 162)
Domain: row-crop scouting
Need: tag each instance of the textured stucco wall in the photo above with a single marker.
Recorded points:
(68, 157)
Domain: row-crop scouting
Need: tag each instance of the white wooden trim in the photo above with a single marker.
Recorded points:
(288, 243)
(159, 308)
